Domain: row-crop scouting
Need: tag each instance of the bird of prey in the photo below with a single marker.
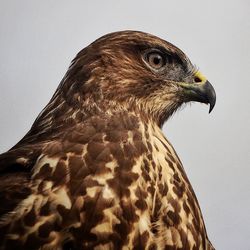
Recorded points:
(95, 170)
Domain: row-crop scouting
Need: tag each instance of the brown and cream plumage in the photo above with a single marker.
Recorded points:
(95, 170)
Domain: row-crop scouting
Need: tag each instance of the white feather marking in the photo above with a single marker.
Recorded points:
(91, 191)
(144, 223)
(60, 196)
(44, 160)
(104, 227)
(107, 193)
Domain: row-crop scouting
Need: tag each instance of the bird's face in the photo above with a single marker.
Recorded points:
(141, 71)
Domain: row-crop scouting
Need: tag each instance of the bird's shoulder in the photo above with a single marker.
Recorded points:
(79, 151)
(80, 162)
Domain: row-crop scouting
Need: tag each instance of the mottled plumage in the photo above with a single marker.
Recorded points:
(95, 171)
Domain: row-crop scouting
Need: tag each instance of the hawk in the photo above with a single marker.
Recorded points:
(95, 170)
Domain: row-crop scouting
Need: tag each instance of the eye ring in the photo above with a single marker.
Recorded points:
(155, 59)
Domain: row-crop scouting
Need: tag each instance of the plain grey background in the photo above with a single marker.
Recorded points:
(38, 39)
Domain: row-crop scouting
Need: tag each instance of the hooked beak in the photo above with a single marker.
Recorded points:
(200, 91)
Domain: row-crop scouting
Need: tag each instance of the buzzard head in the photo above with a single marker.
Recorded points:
(134, 71)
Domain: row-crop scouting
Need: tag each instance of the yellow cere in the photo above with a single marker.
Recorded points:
(199, 75)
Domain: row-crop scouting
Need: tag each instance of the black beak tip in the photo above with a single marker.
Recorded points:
(211, 98)
(212, 104)
(211, 107)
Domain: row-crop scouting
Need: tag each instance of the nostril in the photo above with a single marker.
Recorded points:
(197, 79)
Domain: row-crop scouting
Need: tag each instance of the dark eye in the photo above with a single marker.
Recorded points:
(155, 60)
